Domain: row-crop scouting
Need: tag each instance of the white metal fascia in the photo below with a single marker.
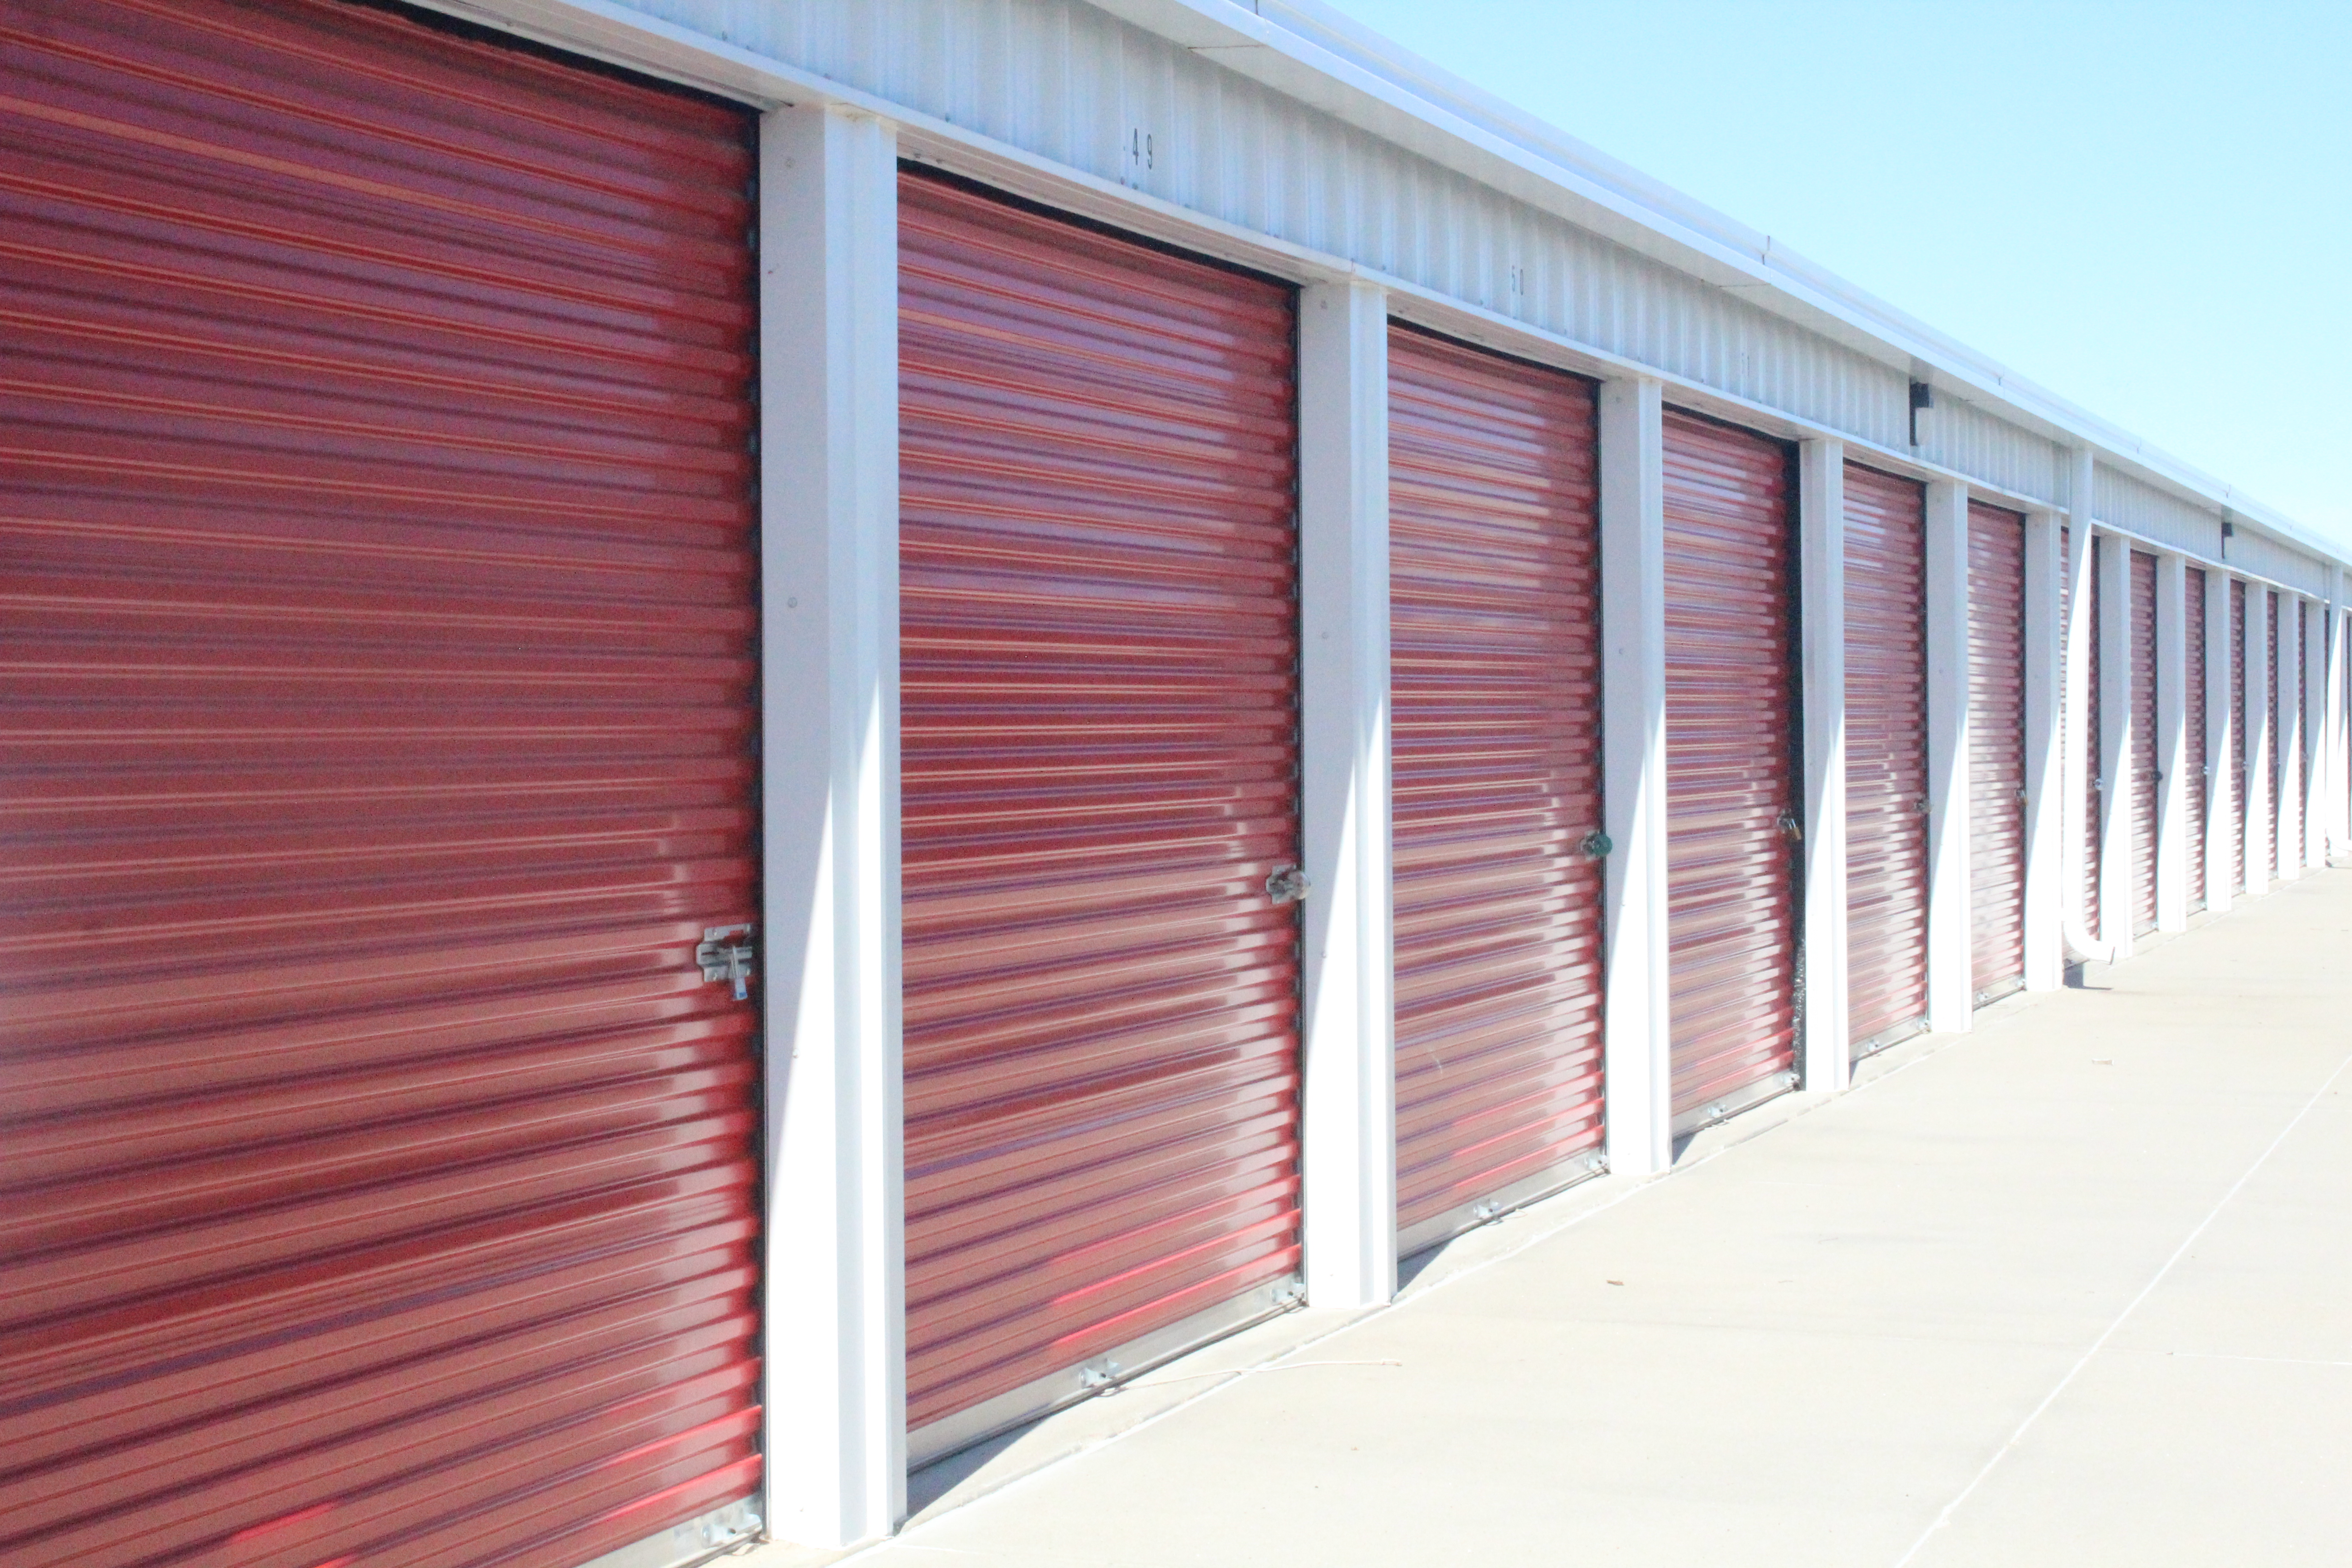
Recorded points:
(1320, 59)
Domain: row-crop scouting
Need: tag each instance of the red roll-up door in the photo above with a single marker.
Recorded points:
(2095, 819)
(1886, 758)
(1099, 696)
(2269, 861)
(2236, 771)
(1996, 751)
(2194, 754)
(381, 1172)
(2142, 760)
(1732, 773)
(1495, 660)
(2301, 742)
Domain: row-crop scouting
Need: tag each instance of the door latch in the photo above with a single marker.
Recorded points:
(726, 953)
(1287, 884)
(1790, 828)
(1595, 844)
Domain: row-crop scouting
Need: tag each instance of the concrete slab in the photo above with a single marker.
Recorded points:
(2072, 1289)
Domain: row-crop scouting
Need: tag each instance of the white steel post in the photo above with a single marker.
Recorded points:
(2289, 719)
(2173, 824)
(2327, 739)
(2045, 854)
(1821, 511)
(2256, 741)
(835, 1286)
(1348, 1114)
(2220, 738)
(1951, 991)
(2075, 902)
(1639, 1039)
(2118, 878)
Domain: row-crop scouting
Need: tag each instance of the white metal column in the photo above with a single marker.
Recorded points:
(1348, 1114)
(2339, 723)
(2220, 736)
(2173, 826)
(2118, 880)
(2074, 768)
(1639, 1039)
(1950, 957)
(2289, 719)
(2046, 885)
(1821, 520)
(2255, 743)
(834, 1288)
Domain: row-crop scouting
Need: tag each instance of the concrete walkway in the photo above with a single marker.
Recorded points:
(2073, 1289)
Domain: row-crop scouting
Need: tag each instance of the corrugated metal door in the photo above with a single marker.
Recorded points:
(1495, 658)
(2237, 771)
(1733, 803)
(1099, 696)
(1996, 751)
(2194, 756)
(2301, 743)
(380, 1178)
(1885, 757)
(2144, 778)
(2095, 819)
(2269, 860)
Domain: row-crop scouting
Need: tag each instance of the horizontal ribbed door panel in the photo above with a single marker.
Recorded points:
(2296, 829)
(1494, 715)
(1099, 699)
(378, 703)
(1885, 756)
(2094, 818)
(1731, 773)
(2278, 758)
(2194, 756)
(2238, 772)
(2142, 761)
(1996, 751)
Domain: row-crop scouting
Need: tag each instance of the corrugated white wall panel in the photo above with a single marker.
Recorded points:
(1063, 82)
(1975, 441)
(2125, 502)
(2268, 558)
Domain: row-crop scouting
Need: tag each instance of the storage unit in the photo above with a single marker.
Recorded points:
(1495, 661)
(2300, 827)
(2269, 860)
(2094, 818)
(381, 1175)
(1099, 697)
(1996, 752)
(2194, 756)
(1734, 809)
(2239, 774)
(1886, 758)
(2142, 755)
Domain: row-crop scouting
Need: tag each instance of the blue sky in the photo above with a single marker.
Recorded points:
(2144, 207)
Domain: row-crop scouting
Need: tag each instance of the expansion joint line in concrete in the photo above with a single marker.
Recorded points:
(2130, 1307)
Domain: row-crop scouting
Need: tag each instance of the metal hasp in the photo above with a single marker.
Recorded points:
(1288, 885)
(726, 953)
